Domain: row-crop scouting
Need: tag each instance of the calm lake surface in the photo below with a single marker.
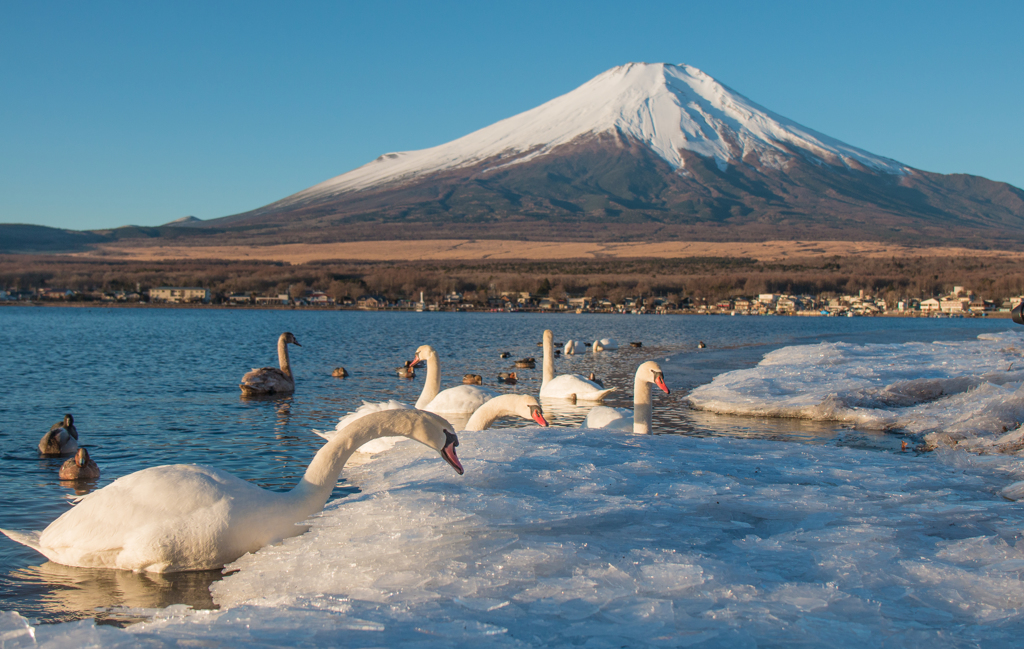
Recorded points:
(154, 386)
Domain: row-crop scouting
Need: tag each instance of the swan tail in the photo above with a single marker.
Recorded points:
(31, 539)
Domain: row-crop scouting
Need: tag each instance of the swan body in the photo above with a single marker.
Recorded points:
(80, 467)
(604, 344)
(271, 380)
(637, 420)
(566, 386)
(61, 439)
(185, 517)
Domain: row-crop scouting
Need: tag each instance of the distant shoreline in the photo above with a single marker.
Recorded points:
(271, 307)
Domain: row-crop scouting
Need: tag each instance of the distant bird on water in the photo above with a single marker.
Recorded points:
(701, 345)
(61, 439)
(80, 467)
(271, 380)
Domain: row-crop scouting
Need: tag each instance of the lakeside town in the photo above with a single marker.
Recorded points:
(960, 302)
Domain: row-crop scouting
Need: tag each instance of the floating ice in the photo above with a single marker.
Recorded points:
(969, 394)
(563, 536)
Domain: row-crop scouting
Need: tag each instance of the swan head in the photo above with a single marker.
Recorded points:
(548, 337)
(423, 352)
(534, 412)
(651, 371)
(289, 337)
(428, 429)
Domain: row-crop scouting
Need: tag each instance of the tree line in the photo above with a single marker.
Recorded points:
(707, 278)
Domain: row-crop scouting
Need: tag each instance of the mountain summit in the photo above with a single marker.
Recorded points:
(667, 108)
(644, 150)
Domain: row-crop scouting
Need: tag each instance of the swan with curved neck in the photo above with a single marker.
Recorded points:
(271, 380)
(61, 439)
(186, 517)
(566, 386)
(637, 420)
(460, 400)
(505, 405)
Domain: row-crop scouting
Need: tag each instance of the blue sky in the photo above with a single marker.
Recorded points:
(116, 113)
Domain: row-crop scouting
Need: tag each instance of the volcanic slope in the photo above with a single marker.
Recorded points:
(644, 151)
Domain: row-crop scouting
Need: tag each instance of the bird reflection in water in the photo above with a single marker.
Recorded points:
(115, 597)
(81, 487)
(282, 406)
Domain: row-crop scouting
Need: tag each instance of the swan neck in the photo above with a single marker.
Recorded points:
(549, 360)
(282, 357)
(321, 475)
(432, 384)
(641, 405)
(487, 413)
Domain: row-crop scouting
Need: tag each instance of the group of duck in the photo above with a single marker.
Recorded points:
(215, 517)
(62, 440)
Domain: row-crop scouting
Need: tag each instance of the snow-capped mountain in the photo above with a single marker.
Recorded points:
(639, 151)
(668, 108)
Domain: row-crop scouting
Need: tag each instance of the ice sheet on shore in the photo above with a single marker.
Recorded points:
(558, 537)
(968, 394)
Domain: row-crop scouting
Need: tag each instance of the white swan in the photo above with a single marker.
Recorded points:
(504, 405)
(460, 400)
(187, 517)
(566, 386)
(570, 347)
(61, 439)
(271, 380)
(604, 344)
(637, 420)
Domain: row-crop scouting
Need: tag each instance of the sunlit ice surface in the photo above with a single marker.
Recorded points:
(563, 536)
(967, 394)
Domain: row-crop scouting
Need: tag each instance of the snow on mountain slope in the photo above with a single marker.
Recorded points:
(670, 108)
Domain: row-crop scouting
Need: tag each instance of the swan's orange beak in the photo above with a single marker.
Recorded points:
(659, 380)
(538, 416)
(448, 452)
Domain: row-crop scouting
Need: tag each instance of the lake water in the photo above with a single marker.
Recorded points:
(154, 386)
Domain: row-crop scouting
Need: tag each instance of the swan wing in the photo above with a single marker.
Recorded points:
(368, 407)
(460, 399)
(609, 418)
(266, 380)
(565, 386)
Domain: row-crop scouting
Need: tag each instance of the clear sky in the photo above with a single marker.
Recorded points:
(116, 113)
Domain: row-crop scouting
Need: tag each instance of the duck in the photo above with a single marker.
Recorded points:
(636, 344)
(566, 386)
(339, 373)
(271, 380)
(186, 517)
(406, 371)
(526, 363)
(509, 378)
(460, 400)
(593, 377)
(61, 439)
(504, 355)
(505, 405)
(637, 420)
(701, 345)
(472, 379)
(80, 467)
